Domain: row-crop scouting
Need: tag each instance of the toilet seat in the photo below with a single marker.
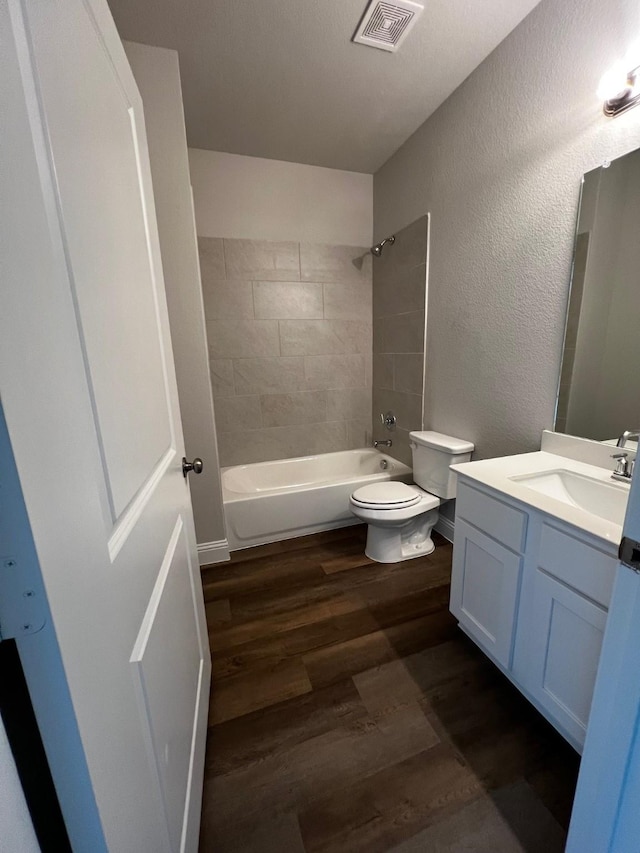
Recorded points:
(387, 495)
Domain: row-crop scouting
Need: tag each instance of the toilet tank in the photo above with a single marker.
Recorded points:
(433, 453)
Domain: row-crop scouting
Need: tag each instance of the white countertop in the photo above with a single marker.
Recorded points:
(495, 473)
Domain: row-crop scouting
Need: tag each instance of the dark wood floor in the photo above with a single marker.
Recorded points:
(349, 713)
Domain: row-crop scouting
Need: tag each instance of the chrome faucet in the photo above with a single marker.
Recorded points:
(624, 467)
(633, 434)
(387, 443)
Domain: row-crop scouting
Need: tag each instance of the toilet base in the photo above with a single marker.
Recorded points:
(396, 543)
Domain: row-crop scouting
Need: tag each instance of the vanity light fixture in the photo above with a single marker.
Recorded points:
(625, 97)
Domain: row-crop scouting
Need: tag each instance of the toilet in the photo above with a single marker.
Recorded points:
(401, 516)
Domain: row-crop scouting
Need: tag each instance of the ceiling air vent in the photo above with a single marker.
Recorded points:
(385, 25)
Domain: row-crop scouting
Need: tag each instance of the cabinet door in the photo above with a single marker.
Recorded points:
(565, 640)
(485, 583)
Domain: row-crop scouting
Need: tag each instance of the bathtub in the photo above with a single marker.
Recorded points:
(269, 501)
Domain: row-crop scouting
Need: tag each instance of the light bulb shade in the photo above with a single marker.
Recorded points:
(620, 91)
(613, 83)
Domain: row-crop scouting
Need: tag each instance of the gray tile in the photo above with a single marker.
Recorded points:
(349, 404)
(401, 449)
(221, 370)
(262, 260)
(287, 300)
(328, 437)
(401, 293)
(379, 336)
(399, 333)
(408, 251)
(359, 434)
(242, 338)
(225, 299)
(407, 372)
(234, 413)
(334, 371)
(411, 242)
(243, 447)
(326, 262)
(268, 375)
(324, 337)
(348, 300)
(240, 448)
(368, 369)
(211, 252)
(383, 370)
(406, 407)
(304, 407)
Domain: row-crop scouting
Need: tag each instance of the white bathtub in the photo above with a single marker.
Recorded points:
(269, 501)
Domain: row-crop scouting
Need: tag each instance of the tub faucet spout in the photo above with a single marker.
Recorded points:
(628, 435)
(387, 443)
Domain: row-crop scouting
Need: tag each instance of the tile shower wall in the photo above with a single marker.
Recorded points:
(399, 291)
(290, 341)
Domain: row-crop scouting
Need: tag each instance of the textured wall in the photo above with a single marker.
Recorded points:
(498, 166)
(399, 285)
(258, 199)
(289, 329)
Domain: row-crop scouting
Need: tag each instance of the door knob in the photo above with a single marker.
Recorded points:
(196, 466)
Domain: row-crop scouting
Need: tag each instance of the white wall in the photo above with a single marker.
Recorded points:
(257, 199)
(158, 77)
(499, 167)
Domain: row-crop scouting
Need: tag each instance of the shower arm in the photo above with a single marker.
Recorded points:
(377, 249)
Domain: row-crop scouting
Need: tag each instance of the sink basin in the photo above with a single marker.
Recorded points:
(605, 499)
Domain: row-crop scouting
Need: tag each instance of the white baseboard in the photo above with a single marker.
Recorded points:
(445, 527)
(213, 552)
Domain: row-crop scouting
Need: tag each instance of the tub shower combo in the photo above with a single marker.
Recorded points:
(286, 498)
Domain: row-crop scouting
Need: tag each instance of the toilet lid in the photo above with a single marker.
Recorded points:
(386, 494)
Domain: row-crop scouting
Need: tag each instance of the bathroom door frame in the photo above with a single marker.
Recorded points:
(606, 815)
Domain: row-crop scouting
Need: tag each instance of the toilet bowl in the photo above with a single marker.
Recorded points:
(401, 517)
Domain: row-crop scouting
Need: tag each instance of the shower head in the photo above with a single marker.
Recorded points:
(377, 249)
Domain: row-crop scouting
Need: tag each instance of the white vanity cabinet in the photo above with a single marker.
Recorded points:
(487, 570)
(533, 593)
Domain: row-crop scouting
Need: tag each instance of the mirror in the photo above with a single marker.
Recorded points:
(599, 389)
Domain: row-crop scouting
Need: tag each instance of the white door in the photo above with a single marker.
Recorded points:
(88, 391)
(606, 816)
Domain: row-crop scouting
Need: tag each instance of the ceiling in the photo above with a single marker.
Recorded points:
(282, 79)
